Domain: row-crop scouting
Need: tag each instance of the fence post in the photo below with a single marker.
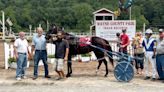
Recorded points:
(6, 48)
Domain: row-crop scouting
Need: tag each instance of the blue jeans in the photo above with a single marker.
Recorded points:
(40, 55)
(21, 65)
(160, 65)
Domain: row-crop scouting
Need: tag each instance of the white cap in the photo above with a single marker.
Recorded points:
(149, 31)
(161, 30)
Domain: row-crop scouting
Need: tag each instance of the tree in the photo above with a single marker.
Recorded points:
(76, 14)
(83, 15)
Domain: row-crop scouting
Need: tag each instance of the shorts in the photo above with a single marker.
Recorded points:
(59, 64)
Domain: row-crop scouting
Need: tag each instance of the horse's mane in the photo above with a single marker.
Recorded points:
(69, 36)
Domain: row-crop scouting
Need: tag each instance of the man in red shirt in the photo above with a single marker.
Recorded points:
(124, 42)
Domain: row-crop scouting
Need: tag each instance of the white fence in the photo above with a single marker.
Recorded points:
(9, 51)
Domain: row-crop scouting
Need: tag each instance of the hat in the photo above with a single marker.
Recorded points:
(161, 30)
(149, 31)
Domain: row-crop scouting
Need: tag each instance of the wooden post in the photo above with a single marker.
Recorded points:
(6, 48)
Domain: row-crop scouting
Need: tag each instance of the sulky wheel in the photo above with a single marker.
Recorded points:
(124, 71)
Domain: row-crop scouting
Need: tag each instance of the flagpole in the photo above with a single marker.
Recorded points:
(130, 13)
(3, 25)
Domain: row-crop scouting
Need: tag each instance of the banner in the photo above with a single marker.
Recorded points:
(108, 29)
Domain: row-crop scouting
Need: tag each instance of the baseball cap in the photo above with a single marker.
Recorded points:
(161, 30)
(149, 31)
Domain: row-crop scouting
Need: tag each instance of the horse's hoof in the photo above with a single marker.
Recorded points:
(96, 72)
(68, 75)
(105, 75)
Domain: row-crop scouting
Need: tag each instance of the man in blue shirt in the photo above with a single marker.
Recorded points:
(39, 45)
(149, 44)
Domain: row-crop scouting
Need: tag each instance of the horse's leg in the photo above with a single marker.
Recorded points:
(98, 67)
(106, 66)
(69, 67)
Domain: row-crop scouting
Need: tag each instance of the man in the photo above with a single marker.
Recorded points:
(124, 42)
(138, 52)
(61, 54)
(160, 55)
(21, 50)
(39, 45)
(149, 44)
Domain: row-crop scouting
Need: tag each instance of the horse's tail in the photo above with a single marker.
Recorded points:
(105, 45)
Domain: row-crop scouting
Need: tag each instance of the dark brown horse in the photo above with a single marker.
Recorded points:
(76, 48)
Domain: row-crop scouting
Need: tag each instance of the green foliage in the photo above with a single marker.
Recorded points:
(83, 14)
(75, 14)
(86, 55)
(139, 17)
(51, 56)
(11, 60)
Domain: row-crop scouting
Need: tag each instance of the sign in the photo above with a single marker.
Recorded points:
(108, 29)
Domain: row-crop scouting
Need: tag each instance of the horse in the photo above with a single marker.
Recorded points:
(75, 48)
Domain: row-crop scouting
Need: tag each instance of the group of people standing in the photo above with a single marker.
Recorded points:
(21, 52)
(148, 49)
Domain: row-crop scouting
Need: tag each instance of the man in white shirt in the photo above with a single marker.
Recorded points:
(21, 51)
(149, 43)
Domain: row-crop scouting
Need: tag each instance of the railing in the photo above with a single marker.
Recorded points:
(9, 52)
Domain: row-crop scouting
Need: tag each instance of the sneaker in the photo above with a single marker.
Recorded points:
(18, 78)
(34, 78)
(59, 78)
(153, 79)
(160, 79)
(146, 78)
(24, 77)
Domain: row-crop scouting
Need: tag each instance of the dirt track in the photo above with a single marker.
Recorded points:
(84, 79)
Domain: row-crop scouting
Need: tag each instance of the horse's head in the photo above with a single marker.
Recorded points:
(51, 35)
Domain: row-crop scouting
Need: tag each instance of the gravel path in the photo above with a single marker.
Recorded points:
(83, 80)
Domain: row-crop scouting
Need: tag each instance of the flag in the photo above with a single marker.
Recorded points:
(117, 12)
(128, 4)
(9, 21)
